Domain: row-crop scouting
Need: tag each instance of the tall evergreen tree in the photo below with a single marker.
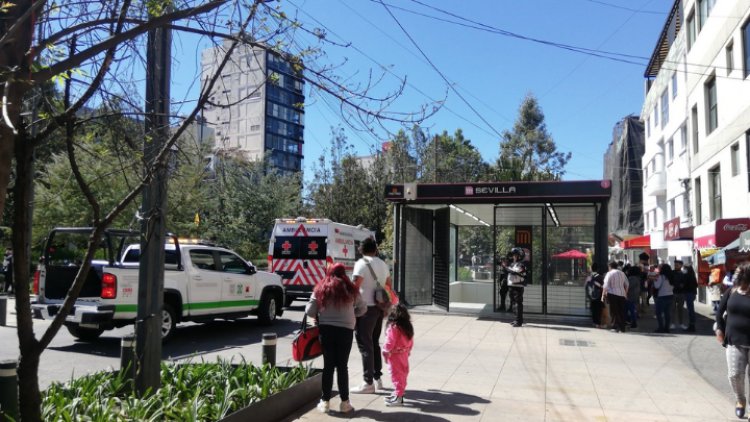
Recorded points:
(528, 152)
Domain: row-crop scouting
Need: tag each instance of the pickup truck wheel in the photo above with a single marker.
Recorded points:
(84, 334)
(267, 309)
(168, 321)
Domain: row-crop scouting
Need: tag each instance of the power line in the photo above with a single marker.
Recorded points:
(452, 88)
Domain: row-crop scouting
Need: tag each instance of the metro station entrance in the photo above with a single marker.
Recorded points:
(562, 226)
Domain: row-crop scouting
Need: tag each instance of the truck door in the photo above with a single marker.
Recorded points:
(238, 289)
(204, 292)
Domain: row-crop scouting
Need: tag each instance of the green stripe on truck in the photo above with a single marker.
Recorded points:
(197, 305)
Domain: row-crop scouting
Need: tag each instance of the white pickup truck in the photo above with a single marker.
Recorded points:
(201, 283)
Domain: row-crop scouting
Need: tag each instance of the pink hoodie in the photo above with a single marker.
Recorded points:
(396, 350)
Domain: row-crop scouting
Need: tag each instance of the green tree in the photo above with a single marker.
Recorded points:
(528, 152)
(452, 159)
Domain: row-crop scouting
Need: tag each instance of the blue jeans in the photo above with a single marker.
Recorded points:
(632, 313)
(663, 312)
(690, 303)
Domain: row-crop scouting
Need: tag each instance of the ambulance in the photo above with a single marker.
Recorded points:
(301, 249)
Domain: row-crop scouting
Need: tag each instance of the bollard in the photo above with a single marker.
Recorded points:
(8, 391)
(269, 349)
(127, 357)
(3, 310)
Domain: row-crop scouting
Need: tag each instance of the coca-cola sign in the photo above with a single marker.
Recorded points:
(735, 227)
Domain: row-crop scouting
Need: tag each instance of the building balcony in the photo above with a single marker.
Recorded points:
(656, 184)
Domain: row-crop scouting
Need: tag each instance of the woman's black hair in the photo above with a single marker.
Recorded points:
(399, 316)
(743, 275)
(666, 270)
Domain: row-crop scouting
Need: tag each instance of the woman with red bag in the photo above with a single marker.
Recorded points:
(336, 303)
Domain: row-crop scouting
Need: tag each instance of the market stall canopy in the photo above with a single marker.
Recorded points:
(745, 241)
(571, 254)
(719, 233)
(638, 242)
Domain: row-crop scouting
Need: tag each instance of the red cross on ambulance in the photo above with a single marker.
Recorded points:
(286, 246)
(313, 246)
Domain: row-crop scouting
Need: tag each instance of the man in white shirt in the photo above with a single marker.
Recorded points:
(368, 271)
(615, 292)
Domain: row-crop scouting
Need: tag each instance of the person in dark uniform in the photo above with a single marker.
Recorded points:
(8, 269)
(516, 282)
(503, 276)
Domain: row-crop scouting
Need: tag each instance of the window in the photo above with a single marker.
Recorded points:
(714, 177)
(698, 201)
(683, 137)
(712, 112)
(648, 127)
(231, 263)
(656, 117)
(730, 57)
(670, 209)
(674, 85)
(735, 150)
(694, 118)
(664, 108)
(645, 173)
(746, 47)
(203, 259)
(254, 128)
(704, 10)
(691, 29)
(670, 150)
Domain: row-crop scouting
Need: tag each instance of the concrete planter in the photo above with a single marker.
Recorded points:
(282, 404)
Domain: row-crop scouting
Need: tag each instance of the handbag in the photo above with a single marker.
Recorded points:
(306, 343)
(382, 298)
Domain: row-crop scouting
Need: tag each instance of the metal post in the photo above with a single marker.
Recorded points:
(3, 310)
(8, 390)
(269, 348)
(151, 270)
(128, 362)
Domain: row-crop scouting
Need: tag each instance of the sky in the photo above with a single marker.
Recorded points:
(478, 56)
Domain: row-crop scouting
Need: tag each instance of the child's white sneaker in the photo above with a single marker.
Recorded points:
(379, 384)
(324, 406)
(396, 401)
(346, 407)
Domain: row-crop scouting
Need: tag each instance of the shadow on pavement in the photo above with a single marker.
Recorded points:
(192, 339)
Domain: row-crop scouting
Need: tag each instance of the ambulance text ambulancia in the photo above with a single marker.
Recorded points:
(301, 248)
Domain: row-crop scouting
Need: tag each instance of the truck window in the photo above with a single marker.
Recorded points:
(231, 263)
(286, 247)
(203, 259)
(133, 256)
(312, 248)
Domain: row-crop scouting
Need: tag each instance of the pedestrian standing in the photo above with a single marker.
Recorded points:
(691, 290)
(714, 288)
(615, 292)
(664, 297)
(8, 269)
(594, 294)
(678, 280)
(733, 332)
(336, 303)
(516, 282)
(399, 340)
(368, 272)
(634, 294)
(503, 276)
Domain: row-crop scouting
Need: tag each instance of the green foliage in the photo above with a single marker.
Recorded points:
(528, 152)
(452, 159)
(190, 392)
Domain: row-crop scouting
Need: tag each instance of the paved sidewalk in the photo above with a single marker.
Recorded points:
(466, 368)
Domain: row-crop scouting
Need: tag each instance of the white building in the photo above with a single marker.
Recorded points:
(256, 106)
(697, 119)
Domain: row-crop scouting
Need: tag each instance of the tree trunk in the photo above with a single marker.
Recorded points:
(28, 379)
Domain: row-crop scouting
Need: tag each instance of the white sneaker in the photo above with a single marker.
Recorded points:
(363, 388)
(683, 326)
(672, 326)
(379, 384)
(396, 402)
(346, 407)
(324, 406)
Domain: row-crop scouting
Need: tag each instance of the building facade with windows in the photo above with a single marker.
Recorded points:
(696, 115)
(257, 105)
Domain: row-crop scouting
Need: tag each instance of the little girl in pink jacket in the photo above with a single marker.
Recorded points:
(399, 335)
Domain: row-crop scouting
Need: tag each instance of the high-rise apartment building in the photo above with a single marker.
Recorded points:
(256, 106)
(696, 115)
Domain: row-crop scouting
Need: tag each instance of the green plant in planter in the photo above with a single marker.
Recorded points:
(190, 392)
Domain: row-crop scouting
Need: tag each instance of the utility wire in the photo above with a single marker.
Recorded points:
(450, 86)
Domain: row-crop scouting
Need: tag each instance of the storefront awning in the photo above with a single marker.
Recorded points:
(719, 233)
(638, 242)
(745, 241)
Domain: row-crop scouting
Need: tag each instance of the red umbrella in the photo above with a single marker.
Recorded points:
(571, 254)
